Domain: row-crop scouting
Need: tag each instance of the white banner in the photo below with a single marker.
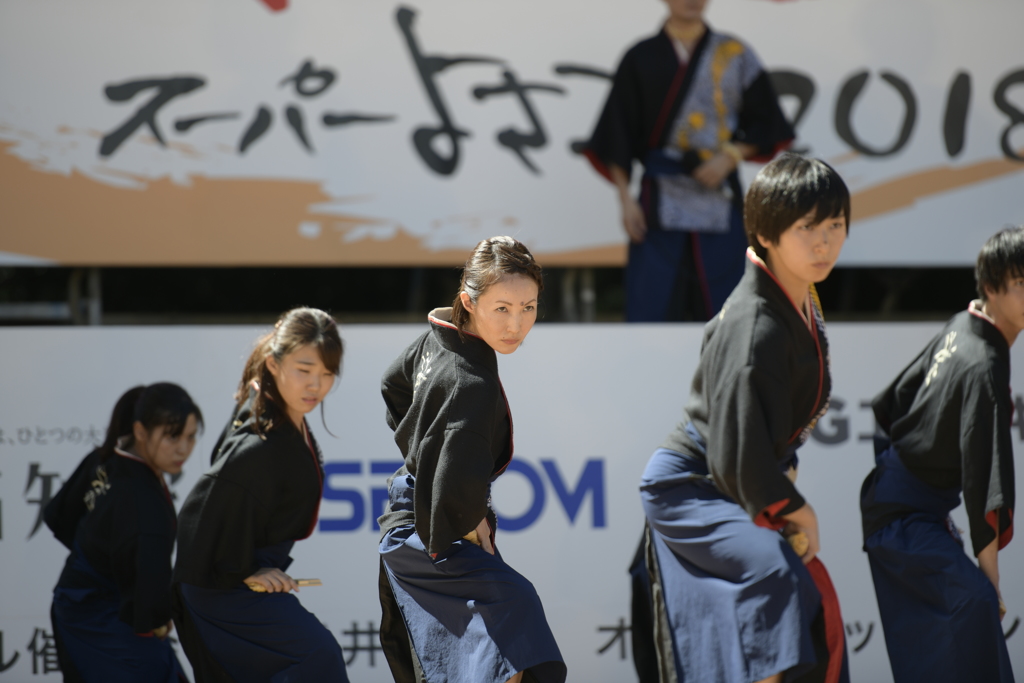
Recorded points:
(590, 404)
(326, 132)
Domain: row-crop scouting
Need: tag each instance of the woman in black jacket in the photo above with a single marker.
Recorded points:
(444, 588)
(233, 604)
(732, 599)
(111, 608)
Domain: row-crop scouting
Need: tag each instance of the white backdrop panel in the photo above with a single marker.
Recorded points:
(363, 193)
(590, 404)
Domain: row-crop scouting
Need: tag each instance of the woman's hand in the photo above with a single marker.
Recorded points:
(806, 521)
(713, 172)
(988, 562)
(481, 536)
(162, 632)
(633, 220)
(483, 532)
(272, 580)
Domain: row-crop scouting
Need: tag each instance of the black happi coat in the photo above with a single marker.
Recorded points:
(648, 90)
(447, 406)
(762, 381)
(119, 515)
(260, 491)
(948, 413)
(66, 509)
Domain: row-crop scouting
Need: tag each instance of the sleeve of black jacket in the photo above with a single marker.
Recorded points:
(397, 385)
(141, 557)
(749, 423)
(617, 138)
(455, 467)
(220, 553)
(761, 122)
(896, 399)
(64, 510)
(987, 460)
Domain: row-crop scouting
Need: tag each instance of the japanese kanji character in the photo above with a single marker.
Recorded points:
(4, 666)
(577, 146)
(372, 643)
(428, 67)
(166, 90)
(620, 637)
(44, 652)
(510, 137)
(856, 628)
(1013, 628)
(45, 495)
(94, 436)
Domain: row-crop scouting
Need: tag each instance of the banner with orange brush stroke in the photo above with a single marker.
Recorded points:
(322, 132)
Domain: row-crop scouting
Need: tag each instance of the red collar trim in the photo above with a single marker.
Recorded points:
(511, 436)
(308, 438)
(670, 98)
(976, 311)
(450, 326)
(759, 262)
(811, 328)
(131, 456)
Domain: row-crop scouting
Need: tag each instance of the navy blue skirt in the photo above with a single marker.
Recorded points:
(940, 613)
(96, 645)
(471, 617)
(739, 604)
(264, 636)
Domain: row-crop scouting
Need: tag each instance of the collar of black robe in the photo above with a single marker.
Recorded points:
(300, 439)
(120, 449)
(760, 280)
(472, 347)
(679, 86)
(244, 418)
(983, 326)
(767, 286)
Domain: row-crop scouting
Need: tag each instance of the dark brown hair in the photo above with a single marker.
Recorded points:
(158, 405)
(786, 190)
(295, 328)
(1001, 259)
(492, 261)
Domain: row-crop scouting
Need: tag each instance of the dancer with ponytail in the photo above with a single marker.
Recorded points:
(111, 608)
(233, 605)
(453, 610)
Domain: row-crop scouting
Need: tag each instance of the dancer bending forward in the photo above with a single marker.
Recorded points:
(234, 609)
(732, 599)
(112, 605)
(946, 420)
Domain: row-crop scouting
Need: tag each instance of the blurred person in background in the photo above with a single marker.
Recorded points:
(111, 608)
(689, 104)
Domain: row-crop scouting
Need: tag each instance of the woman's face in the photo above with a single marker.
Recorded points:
(505, 313)
(807, 251)
(165, 454)
(686, 10)
(302, 380)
